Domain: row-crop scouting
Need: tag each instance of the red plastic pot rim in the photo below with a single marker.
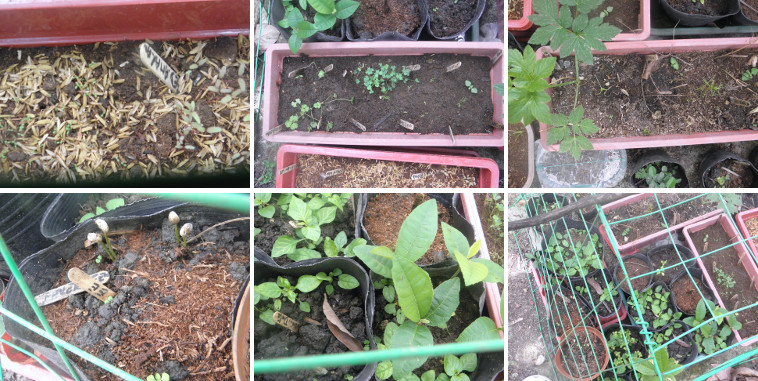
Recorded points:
(523, 23)
(274, 60)
(489, 173)
(663, 47)
(741, 219)
(731, 230)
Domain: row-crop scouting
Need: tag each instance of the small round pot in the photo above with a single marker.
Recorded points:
(687, 19)
(635, 330)
(457, 35)
(622, 282)
(633, 312)
(615, 316)
(580, 332)
(658, 156)
(390, 36)
(657, 252)
(687, 338)
(561, 308)
(563, 225)
(714, 158)
(697, 273)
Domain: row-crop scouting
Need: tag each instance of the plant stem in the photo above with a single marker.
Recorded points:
(176, 230)
(578, 82)
(109, 249)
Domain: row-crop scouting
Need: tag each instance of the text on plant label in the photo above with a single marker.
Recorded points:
(62, 292)
(331, 173)
(158, 66)
(287, 169)
(89, 284)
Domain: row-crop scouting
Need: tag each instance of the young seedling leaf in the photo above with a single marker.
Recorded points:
(409, 334)
(417, 232)
(482, 328)
(114, 203)
(377, 258)
(304, 253)
(347, 282)
(495, 274)
(444, 302)
(86, 217)
(307, 283)
(268, 211)
(330, 248)
(413, 287)
(454, 239)
(468, 361)
(452, 365)
(284, 245)
(472, 272)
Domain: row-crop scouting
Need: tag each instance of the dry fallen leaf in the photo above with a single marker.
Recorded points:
(338, 330)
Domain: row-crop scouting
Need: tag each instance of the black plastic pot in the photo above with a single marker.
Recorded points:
(713, 158)
(43, 268)
(696, 273)
(687, 338)
(458, 35)
(633, 309)
(687, 19)
(635, 331)
(740, 18)
(620, 303)
(561, 226)
(447, 200)
(390, 36)
(558, 327)
(263, 266)
(277, 13)
(658, 156)
(622, 282)
(658, 251)
(20, 216)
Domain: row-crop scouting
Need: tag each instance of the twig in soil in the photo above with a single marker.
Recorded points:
(311, 321)
(644, 100)
(730, 171)
(153, 322)
(217, 225)
(748, 45)
(140, 273)
(451, 134)
(651, 63)
(627, 26)
(219, 369)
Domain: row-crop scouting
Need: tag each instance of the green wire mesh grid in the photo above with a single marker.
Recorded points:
(568, 309)
(235, 202)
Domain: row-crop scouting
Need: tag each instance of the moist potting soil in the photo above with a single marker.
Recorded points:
(634, 267)
(731, 280)
(449, 17)
(730, 174)
(689, 100)
(649, 224)
(579, 352)
(665, 257)
(375, 17)
(711, 8)
(313, 336)
(566, 311)
(315, 171)
(686, 293)
(518, 151)
(339, 100)
(173, 308)
(624, 14)
(606, 307)
(95, 112)
(385, 214)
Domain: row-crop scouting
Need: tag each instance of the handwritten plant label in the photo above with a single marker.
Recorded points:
(62, 292)
(407, 125)
(158, 66)
(328, 68)
(417, 176)
(413, 67)
(89, 284)
(357, 124)
(287, 169)
(286, 321)
(331, 173)
(453, 67)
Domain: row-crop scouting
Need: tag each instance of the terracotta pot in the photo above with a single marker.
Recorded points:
(579, 331)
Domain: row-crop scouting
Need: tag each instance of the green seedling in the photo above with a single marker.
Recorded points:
(749, 74)
(660, 271)
(674, 64)
(723, 278)
(174, 219)
(646, 370)
(471, 87)
(657, 179)
(327, 12)
(344, 281)
(384, 78)
(573, 254)
(158, 377)
(496, 214)
(184, 232)
(710, 86)
(617, 347)
(656, 302)
(110, 205)
(607, 11)
(721, 181)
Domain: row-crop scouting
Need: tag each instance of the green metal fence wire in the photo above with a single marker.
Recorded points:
(256, 77)
(236, 202)
(532, 251)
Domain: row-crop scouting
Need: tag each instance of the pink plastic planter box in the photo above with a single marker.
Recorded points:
(489, 173)
(493, 294)
(274, 62)
(58, 22)
(745, 258)
(741, 219)
(663, 47)
(634, 246)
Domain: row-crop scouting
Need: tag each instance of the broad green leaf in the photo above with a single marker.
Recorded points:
(413, 287)
(330, 248)
(323, 22)
(340, 240)
(268, 211)
(350, 249)
(305, 29)
(384, 370)
(284, 245)
(452, 364)
(347, 282)
(417, 232)
(389, 294)
(305, 307)
(315, 203)
(313, 233)
(428, 375)
(442, 377)
(326, 215)
(390, 309)
(307, 283)
(267, 316)
(472, 272)
(86, 217)
(295, 43)
(346, 8)
(474, 249)
(298, 210)
(495, 273)
(454, 239)
(409, 334)
(322, 6)
(99, 210)
(304, 253)
(444, 302)
(269, 290)
(291, 18)
(114, 203)
(482, 328)
(389, 331)
(377, 258)
(469, 362)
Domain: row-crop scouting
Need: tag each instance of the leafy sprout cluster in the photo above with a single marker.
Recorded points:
(109, 205)
(327, 14)
(617, 346)
(384, 78)
(303, 111)
(712, 336)
(656, 301)
(655, 178)
(573, 254)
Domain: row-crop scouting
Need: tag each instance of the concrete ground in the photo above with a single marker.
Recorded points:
(527, 352)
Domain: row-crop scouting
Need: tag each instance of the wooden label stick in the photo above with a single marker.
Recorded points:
(62, 292)
(286, 321)
(158, 66)
(89, 284)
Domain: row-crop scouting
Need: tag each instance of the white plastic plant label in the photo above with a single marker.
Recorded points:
(158, 66)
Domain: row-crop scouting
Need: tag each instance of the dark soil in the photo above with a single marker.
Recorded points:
(278, 342)
(314, 172)
(680, 349)
(730, 172)
(447, 18)
(625, 14)
(710, 8)
(693, 99)
(375, 17)
(273, 228)
(467, 312)
(518, 151)
(582, 353)
(686, 293)
(752, 14)
(419, 103)
(566, 312)
(385, 214)
(182, 326)
(605, 308)
(676, 171)
(486, 206)
(515, 9)
(644, 226)
(634, 267)
(665, 258)
(743, 292)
